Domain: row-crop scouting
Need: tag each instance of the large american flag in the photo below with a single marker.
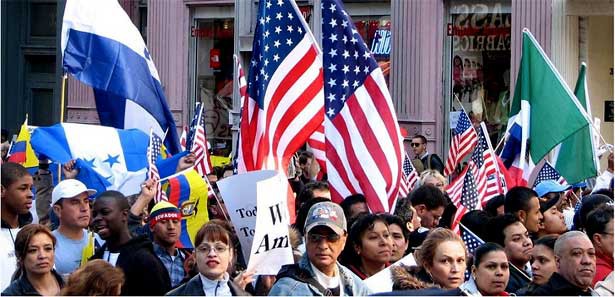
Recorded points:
(244, 145)
(410, 178)
(153, 151)
(547, 172)
(285, 87)
(198, 143)
(363, 142)
(487, 174)
(316, 144)
(464, 140)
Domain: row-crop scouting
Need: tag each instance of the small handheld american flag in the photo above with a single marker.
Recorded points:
(153, 151)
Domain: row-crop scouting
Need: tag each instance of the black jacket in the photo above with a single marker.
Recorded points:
(194, 287)
(517, 279)
(23, 287)
(435, 163)
(22, 220)
(144, 272)
(559, 286)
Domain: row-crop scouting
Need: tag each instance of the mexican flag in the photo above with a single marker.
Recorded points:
(543, 114)
(576, 159)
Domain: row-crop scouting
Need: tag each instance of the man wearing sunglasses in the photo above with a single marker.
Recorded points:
(318, 272)
(429, 161)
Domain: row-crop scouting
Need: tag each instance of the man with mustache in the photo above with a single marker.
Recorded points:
(71, 204)
(576, 266)
(318, 273)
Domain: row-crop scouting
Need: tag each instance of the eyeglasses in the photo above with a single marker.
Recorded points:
(316, 238)
(218, 248)
(415, 144)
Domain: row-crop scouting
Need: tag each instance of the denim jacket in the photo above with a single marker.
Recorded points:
(288, 286)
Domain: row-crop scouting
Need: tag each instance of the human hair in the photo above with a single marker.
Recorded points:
(395, 220)
(213, 231)
(305, 156)
(11, 172)
(483, 250)
(350, 201)
(428, 195)
(589, 203)
(119, 198)
(598, 219)
(95, 278)
(558, 247)
(518, 198)
(426, 253)
(22, 241)
(361, 225)
(497, 225)
(547, 240)
(307, 193)
(427, 173)
(303, 212)
(403, 209)
(492, 205)
(475, 221)
(423, 139)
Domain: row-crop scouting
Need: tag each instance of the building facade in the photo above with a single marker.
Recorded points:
(437, 55)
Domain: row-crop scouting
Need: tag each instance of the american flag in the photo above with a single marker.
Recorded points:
(153, 151)
(547, 172)
(472, 242)
(244, 145)
(197, 141)
(410, 178)
(363, 142)
(464, 194)
(316, 144)
(464, 140)
(487, 174)
(285, 87)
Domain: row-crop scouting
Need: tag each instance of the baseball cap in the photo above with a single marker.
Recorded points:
(69, 188)
(326, 214)
(549, 186)
(546, 205)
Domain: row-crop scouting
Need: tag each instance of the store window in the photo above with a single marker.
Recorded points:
(480, 62)
(214, 79)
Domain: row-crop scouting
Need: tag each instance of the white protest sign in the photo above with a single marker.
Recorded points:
(240, 194)
(271, 246)
(382, 281)
(454, 118)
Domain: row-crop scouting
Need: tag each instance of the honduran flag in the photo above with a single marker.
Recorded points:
(107, 158)
(102, 48)
(188, 191)
(21, 151)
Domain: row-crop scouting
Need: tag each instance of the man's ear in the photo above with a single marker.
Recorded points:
(56, 209)
(597, 239)
(3, 191)
(557, 260)
(420, 209)
(522, 215)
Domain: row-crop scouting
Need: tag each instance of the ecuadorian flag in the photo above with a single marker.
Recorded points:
(188, 191)
(21, 151)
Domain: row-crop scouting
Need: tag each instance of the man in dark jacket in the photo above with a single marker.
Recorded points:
(429, 161)
(576, 267)
(145, 274)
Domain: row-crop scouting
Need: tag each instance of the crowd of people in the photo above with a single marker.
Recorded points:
(552, 239)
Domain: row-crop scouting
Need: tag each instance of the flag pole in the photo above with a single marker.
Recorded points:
(62, 102)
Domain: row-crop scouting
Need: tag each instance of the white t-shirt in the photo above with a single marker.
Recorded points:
(111, 257)
(329, 282)
(8, 260)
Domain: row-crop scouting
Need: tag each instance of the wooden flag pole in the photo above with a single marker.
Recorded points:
(62, 103)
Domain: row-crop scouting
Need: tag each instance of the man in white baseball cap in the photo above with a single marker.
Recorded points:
(70, 200)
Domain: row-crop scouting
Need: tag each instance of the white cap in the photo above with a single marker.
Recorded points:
(69, 188)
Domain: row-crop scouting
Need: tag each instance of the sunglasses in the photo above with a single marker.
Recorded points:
(414, 144)
(316, 238)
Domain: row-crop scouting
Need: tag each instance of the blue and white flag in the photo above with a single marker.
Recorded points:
(102, 48)
(107, 158)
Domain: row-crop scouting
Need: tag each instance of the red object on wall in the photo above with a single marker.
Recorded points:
(214, 58)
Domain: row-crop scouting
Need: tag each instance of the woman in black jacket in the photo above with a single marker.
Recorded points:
(34, 249)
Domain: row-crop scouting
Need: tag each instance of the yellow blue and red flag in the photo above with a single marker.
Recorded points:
(21, 151)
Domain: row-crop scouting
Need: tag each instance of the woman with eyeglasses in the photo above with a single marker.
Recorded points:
(214, 253)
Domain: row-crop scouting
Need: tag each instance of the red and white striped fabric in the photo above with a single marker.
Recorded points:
(153, 151)
(464, 193)
(488, 177)
(244, 145)
(363, 142)
(285, 87)
(316, 144)
(463, 142)
(411, 177)
(199, 148)
(183, 138)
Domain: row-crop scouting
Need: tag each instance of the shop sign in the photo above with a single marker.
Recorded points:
(381, 43)
(479, 27)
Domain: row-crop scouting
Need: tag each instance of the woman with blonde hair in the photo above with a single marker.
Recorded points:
(441, 262)
(95, 278)
(434, 178)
